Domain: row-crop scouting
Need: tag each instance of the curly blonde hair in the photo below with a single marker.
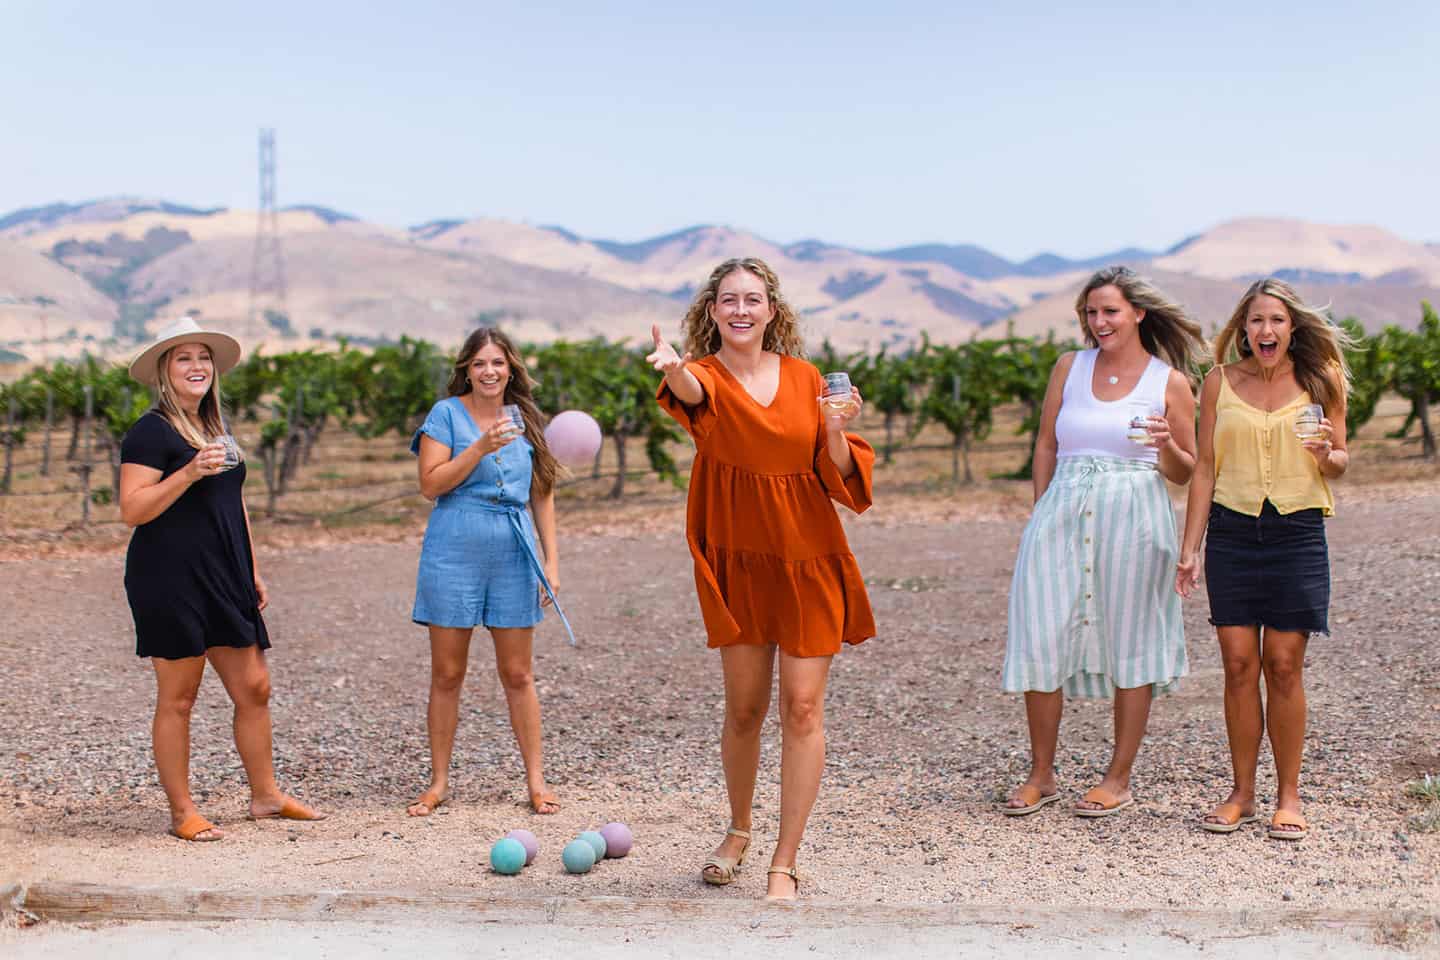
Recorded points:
(1316, 344)
(702, 335)
(1168, 331)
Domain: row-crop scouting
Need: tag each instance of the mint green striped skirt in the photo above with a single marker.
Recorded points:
(1092, 602)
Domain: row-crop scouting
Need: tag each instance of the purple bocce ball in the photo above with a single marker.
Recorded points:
(528, 841)
(618, 839)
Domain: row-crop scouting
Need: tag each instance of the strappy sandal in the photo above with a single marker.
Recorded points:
(790, 872)
(720, 871)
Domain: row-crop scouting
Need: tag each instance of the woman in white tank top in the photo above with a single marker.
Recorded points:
(1092, 612)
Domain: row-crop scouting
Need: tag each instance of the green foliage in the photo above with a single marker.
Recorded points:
(964, 385)
(1368, 361)
(888, 383)
(1024, 374)
(1414, 367)
(612, 382)
(395, 385)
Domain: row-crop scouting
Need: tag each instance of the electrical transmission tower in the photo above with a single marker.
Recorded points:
(267, 271)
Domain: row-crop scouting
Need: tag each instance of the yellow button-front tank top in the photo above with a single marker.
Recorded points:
(1259, 458)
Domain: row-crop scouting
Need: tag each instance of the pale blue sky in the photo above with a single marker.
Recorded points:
(1075, 128)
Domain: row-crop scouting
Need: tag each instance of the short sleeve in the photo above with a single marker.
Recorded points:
(698, 419)
(439, 426)
(149, 443)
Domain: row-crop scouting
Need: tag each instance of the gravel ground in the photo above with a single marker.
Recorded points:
(922, 741)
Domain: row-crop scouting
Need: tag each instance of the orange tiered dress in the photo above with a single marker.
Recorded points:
(772, 564)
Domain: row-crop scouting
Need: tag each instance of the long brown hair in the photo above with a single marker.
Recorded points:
(1316, 345)
(211, 424)
(519, 390)
(702, 336)
(1167, 330)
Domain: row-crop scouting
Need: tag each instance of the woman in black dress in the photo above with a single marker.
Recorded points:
(190, 573)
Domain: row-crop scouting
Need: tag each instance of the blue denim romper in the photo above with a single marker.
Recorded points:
(479, 565)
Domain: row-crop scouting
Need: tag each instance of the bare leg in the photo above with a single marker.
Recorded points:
(1283, 662)
(449, 655)
(177, 683)
(1042, 714)
(515, 664)
(1244, 714)
(247, 680)
(1132, 714)
(802, 759)
(748, 673)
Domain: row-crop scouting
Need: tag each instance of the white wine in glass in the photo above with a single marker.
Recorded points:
(1138, 432)
(1307, 421)
(838, 395)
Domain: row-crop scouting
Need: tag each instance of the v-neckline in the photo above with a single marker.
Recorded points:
(779, 381)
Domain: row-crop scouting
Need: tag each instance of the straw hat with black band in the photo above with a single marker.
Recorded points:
(224, 349)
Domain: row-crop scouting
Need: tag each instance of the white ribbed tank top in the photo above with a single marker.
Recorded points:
(1088, 427)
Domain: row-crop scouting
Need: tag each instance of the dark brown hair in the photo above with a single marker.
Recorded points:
(519, 390)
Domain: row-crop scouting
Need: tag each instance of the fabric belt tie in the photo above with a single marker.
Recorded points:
(514, 514)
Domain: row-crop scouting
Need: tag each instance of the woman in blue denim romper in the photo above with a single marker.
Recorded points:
(479, 565)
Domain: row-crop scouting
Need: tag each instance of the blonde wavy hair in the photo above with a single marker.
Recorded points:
(1316, 344)
(211, 423)
(702, 335)
(1167, 330)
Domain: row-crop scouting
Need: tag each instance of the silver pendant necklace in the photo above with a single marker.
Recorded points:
(1113, 380)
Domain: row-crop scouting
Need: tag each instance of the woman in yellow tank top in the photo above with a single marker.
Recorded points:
(1259, 498)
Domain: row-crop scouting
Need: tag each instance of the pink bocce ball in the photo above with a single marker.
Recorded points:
(574, 438)
(528, 841)
(617, 839)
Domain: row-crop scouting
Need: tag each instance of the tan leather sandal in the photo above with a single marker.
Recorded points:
(790, 872)
(719, 870)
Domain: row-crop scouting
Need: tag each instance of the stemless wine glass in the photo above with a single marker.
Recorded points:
(1138, 430)
(512, 421)
(1307, 421)
(232, 451)
(838, 395)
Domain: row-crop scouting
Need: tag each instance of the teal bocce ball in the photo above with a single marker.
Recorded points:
(594, 838)
(528, 841)
(578, 856)
(507, 856)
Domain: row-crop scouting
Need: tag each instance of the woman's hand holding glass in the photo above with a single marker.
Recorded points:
(501, 432)
(208, 461)
(1315, 431)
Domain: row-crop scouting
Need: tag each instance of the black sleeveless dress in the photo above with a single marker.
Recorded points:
(189, 573)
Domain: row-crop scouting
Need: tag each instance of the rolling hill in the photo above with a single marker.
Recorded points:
(97, 277)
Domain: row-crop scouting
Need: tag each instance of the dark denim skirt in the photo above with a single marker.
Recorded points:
(1272, 570)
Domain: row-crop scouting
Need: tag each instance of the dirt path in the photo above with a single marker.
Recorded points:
(922, 742)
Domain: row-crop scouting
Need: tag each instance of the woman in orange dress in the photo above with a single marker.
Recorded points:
(772, 565)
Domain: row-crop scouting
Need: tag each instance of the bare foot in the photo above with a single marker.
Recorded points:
(543, 802)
